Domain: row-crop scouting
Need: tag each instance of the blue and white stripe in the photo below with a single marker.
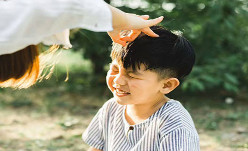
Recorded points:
(171, 128)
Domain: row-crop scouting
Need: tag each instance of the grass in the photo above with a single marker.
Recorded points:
(226, 123)
(53, 119)
(47, 124)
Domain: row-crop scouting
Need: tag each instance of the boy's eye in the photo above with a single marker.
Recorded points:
(131, 76)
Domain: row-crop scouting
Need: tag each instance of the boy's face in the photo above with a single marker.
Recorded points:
(128, 87)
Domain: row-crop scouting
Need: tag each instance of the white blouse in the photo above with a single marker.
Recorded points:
(27, 22)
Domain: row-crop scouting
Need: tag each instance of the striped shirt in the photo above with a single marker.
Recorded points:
(170, 128)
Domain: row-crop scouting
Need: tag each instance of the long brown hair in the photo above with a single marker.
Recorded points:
(20, 69)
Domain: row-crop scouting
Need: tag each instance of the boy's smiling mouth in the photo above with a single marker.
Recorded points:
(120, 93)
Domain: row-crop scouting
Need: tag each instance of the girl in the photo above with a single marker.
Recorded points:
(25, 23)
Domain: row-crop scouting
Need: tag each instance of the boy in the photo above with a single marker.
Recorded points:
(140, 117)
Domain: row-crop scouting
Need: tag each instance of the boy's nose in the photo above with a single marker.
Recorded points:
(120, 80)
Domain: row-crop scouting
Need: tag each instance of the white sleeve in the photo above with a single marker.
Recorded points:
(26, 22)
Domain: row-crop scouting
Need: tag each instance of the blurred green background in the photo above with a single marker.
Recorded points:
(53, 114)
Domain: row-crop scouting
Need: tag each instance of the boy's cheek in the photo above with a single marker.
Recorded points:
(109, 80)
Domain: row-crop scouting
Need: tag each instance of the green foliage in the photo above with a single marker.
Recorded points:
(95, 47)
(217, 29)
(213, 122)
(21, 102)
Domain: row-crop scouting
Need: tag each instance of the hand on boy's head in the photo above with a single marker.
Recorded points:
(137, 25)
(135, 32)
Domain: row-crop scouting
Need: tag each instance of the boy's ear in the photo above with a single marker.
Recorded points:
(169, 85)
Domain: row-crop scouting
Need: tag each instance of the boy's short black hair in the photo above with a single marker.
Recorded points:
(169, 55)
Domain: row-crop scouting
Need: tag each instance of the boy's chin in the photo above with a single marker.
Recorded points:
(121, 102)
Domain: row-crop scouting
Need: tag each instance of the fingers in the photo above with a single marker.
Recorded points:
(135, 33)
(132, 36)
(154, 21)
(144, 17)
(119, 41)
(139, 25)
(149, 32)
(115, 36)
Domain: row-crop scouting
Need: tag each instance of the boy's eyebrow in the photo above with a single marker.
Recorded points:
(128, 71)
(134, 72)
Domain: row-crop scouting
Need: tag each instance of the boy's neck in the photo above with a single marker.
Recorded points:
(138, 113)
